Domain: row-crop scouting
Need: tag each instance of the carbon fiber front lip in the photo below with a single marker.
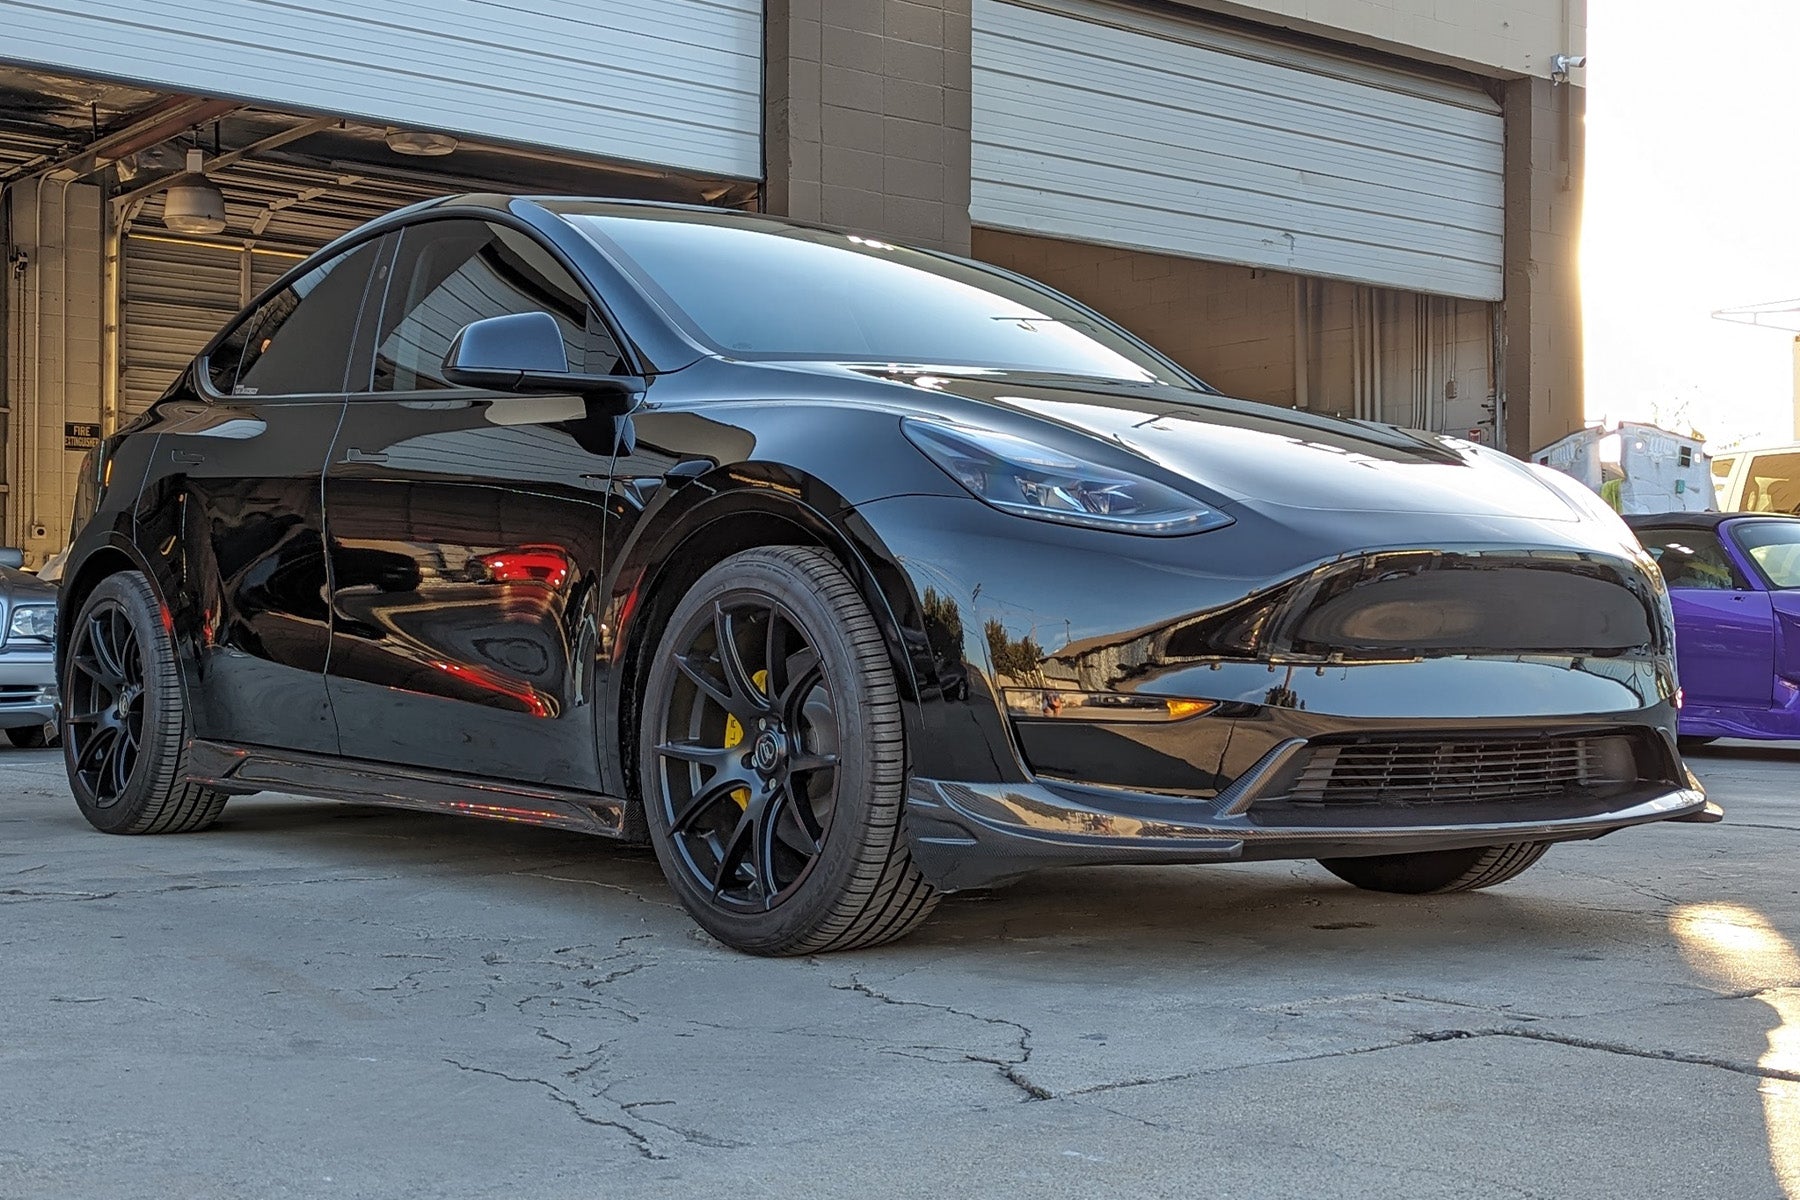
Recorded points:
(978, 834)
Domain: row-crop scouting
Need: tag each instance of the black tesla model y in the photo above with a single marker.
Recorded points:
(845, 574)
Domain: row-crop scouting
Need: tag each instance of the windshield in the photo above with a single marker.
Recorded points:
(1774, 546)
(765, 290)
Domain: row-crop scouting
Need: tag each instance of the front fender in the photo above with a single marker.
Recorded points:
(672, 530)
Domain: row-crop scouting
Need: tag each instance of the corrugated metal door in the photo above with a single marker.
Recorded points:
(675, 83)
(1107, 124)
(176, 296)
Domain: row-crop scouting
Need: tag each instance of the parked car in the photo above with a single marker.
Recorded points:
(27, 654)
(1734, 582)
(1765, 479)
(764, 542)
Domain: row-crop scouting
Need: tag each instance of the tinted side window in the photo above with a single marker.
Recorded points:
(449, 273)
(1690, 558)
(299, 341)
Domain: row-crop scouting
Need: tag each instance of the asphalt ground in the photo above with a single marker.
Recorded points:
(319, 999)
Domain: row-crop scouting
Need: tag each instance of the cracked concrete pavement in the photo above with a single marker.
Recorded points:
(318, 999)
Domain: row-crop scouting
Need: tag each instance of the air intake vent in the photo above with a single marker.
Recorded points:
(1439, 772)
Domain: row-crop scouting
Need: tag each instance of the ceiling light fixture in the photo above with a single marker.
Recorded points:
(419, 143)
(195, 204)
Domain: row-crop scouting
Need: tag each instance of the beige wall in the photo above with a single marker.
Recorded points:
(53, 358)
(1492, 37)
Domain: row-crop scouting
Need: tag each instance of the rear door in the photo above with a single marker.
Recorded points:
(1724, 627)
(465, 527)
(239, 467)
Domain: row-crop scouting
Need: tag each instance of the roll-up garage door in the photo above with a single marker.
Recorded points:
(675, 83)
(176, 295)
(1101, 123)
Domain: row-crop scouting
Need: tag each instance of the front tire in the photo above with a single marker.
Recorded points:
(124, 723)
(773, 761)
(1437, 871)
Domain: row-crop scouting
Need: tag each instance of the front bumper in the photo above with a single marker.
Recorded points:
(28, 694)
(968, 835)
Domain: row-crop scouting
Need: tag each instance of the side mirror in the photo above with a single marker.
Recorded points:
(523, 352)
(11, 556)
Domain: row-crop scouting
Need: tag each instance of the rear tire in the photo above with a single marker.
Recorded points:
(124, 723)
(773, 761)
(31, 737)
(1437, 871)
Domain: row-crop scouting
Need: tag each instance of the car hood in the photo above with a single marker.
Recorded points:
(16, 587)
(1246, 452)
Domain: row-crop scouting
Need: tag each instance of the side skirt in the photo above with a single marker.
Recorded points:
(246, 769)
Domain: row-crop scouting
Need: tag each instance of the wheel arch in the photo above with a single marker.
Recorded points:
(111, 557)
(655, 573)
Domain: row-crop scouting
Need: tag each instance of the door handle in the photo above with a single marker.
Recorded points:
(187, 456)
(353, 455)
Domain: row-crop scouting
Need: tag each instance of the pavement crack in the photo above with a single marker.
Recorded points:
(611, 887)
(1010, 1069)
(1695, 1060)
(22, 895)
(1413, 1039)
(638, 1141)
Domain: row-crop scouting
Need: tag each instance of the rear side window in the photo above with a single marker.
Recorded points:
(298, 342)
(449, 273)
(1691, 558)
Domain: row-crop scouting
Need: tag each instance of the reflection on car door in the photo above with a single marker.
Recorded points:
(236, 485)
(1724, 628)
(464, 528)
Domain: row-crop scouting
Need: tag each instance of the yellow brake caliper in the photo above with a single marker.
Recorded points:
(734, 735)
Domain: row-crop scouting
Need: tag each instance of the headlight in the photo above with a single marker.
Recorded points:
(1022, 477)
(33, 621)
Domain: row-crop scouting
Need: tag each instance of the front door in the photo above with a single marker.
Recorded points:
(1724, 629)
(465, 528)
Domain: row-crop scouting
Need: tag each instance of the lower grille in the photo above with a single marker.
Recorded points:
(1438, 772)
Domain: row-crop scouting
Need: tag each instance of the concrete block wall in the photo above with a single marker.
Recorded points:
(54, 354)
(868, 112)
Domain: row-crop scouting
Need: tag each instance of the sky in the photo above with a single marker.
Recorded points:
(1692, 205)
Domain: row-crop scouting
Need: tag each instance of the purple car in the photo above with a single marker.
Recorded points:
(1734, 581)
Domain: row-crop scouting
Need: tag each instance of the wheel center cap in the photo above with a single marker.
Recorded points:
(768, 752)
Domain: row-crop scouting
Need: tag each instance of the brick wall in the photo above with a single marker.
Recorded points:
(868, 116)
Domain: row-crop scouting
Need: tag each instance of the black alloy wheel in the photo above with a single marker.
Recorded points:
(773, 760)
(105, 701)
(752, 751)
(124, 725)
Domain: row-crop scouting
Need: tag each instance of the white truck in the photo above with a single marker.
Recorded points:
(1760, 479)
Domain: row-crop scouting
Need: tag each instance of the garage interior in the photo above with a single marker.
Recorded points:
(135, 222)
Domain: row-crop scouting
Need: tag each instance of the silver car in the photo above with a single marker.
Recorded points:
(28, 699)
